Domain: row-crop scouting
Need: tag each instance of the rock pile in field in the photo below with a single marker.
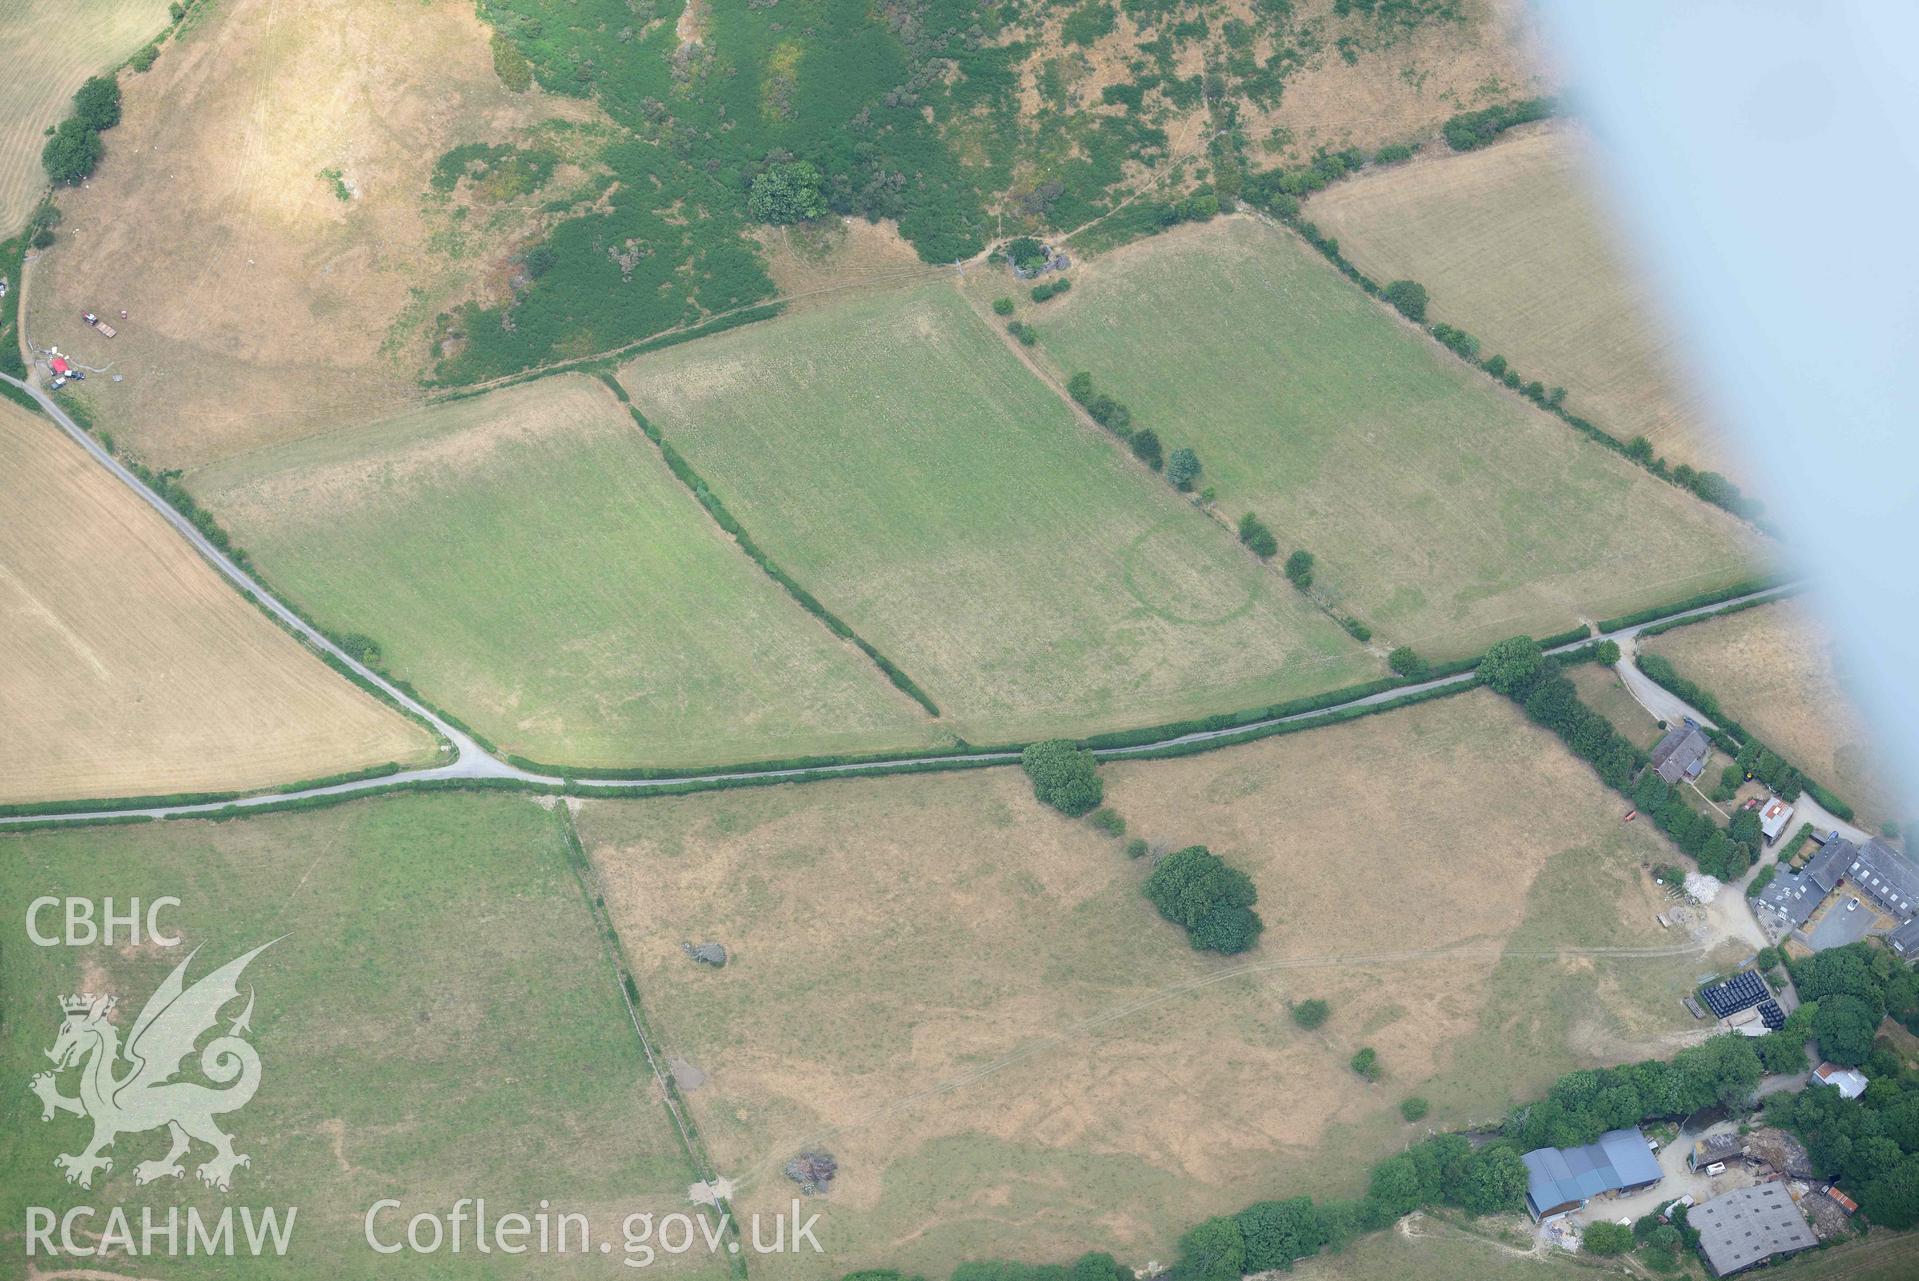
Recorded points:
(813, 1171)
(706, 953)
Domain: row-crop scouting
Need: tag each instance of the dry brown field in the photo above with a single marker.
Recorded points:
(129, 667)
(965, 999)
(52, 46)
(261, 306)
(1513, 244)
(1777, 671)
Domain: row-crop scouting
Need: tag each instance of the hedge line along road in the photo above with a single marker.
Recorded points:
(471, 762)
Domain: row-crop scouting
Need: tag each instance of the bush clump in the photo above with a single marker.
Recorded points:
(1254, 533)
(1198, 890)
(1414, 1108)
(1065, 776)
(1310, 1013)
(1002, 306)
(1299, 569)
(1108, 821)
(1409, 298)
(1365, 1061)
(1405, 662)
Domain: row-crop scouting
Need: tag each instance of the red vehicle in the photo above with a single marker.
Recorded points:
(1630, 816)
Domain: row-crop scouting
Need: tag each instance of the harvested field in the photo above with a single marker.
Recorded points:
(129, 667)
(902, 464)
(964, 998)
(1443, 511)
(52, 46)
(262, 306)
(526, 559)
(1512, 242)
(437, 1019)
(1777, 671)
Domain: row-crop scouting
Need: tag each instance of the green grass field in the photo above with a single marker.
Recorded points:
(527, 560)
(1443, 512)
(900, 462)
(438, 1021)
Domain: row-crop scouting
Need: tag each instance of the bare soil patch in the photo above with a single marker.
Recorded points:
(963, 997)
(261, 306)
(128, 667)
(1777, 671)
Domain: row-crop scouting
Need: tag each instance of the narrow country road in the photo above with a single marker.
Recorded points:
(472, 762)
(1667, 706)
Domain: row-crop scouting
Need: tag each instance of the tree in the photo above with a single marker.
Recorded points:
(1406, 663)
(1299, 569)
(1892, 1200)
(1213, 1251)
(1365, 1061)
(1398, 1187)
(1606, 1239)
(1097, 1265)
(1511, 666)
(1004, 307)
(1197, 889)
(1182, 469)
(1310, 1013)
(1409, 296)
(1414, 1108)
(1254, 533)
(787, 191)
(1277, 1232)
(72, 153)
(1843, 1027)
(97, 105)
(1606, 652)
(1494, 1181)
(1065, 776)
(1146, 448)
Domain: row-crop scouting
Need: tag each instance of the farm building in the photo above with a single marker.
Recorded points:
(1850, 1082)
(1905, 939)
(1681, 754)
(1742, 991)
(1562, 1179)
(1773, 819)
(59, 366)
(1795, 896)
(1884, 875)
(1717, 1147)
(1748, 1227)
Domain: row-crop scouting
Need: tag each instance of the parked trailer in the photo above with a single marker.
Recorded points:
(105, 329)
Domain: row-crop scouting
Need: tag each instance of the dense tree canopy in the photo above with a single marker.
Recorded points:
(1197, 889)
(1065, 776)
(786, 192)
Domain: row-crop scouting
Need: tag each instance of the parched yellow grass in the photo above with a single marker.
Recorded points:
(1512, 243)
(1777, 671)
(261, 306)
(51, 47)
(965, 998)
(127, 667)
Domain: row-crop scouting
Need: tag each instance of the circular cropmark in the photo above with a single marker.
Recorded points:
(1193, 581)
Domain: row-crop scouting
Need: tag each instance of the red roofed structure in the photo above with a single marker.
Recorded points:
(59, 366)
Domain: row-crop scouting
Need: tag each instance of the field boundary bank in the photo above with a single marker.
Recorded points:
(715, 508)
(698, 1158)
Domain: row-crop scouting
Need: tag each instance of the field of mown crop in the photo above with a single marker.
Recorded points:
(1444, 512)
(964, 997)
(1511, 242)
(129, 667)
(904, 466)
(527, 560)
(1778, 671)
(52, 46)
(436, 1020)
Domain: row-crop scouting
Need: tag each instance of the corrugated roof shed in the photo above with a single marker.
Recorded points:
(1564, 1176)
(1749, 1226)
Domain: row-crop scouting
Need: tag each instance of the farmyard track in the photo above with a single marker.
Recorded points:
(473, 763)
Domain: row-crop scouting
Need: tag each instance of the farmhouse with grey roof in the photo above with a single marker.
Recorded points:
(1794, 896)
(1905, 939)
(1561, 1179)
(1748, 1227)
(1681, 754)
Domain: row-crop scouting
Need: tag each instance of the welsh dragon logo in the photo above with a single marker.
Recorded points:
(126, 1090)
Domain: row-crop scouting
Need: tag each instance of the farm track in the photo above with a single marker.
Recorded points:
(473, 763)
